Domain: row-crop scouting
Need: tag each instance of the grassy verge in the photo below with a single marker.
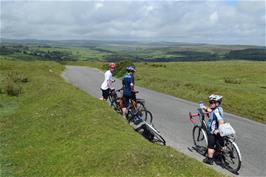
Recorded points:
(56, 130)
(242, 83)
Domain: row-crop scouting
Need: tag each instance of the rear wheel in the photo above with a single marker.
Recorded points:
(232, 157)
(200, 140)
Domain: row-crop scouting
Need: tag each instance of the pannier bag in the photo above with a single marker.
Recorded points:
(226, 129)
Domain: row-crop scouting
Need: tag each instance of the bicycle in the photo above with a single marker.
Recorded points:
(226, 150)
(199, 131)
(117, 104)
(114, 99)
(143, 125)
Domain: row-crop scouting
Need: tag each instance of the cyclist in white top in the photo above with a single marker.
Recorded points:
(107, 84)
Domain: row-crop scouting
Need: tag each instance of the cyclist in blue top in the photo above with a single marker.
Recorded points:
(215, 120)
(128, 88)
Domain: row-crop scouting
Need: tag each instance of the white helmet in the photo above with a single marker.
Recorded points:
(215, 98)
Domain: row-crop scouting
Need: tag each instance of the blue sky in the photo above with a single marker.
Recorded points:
(197, 21)
(231, 2)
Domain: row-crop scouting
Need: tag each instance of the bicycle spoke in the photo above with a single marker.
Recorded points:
(232, 159)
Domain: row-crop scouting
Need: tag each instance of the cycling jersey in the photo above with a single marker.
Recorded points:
(128, 82)
(215, 116)
(107, 78)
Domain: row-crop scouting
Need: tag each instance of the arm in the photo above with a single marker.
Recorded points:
(110, 81)
(220, 120)
(132, 84)
(110, 84)
(132, 87)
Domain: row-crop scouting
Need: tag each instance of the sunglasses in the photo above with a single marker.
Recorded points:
(211, 102)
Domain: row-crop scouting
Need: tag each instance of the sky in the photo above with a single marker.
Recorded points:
(198, 21)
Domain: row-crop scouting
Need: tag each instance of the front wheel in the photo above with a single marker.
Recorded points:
(200, 140)
(115, 104)
(145, 115)
(232, 157)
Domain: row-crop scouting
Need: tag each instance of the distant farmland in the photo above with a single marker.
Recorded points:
(135, 51)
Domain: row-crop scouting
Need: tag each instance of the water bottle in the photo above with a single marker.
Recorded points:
(201, 104)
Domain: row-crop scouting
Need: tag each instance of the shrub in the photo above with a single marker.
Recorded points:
(231, 80)
(12, 88)
(120, 67)
(17, 77)
(2, 90)
(158, 65)
(12, 83)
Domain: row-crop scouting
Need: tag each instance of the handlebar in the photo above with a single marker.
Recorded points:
(191, 117)
(200, 112)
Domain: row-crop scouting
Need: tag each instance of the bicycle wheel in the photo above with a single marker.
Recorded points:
(148, 117)
(232, 156)
(156, 137)
(200, 140)
(115, 104)
(140, 105)
(145, 115)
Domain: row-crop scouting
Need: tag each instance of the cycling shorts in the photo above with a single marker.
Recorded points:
(127, 98)
(213, 139)
(105, 93)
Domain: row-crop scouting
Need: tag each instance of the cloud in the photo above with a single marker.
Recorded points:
(214, 17)
(226, 22)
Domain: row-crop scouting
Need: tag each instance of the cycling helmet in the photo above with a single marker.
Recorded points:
(131, 68)
(112, 65)
(216, 98)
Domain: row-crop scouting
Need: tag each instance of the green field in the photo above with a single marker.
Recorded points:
(54, 129)
(242, 83)
(116, 51)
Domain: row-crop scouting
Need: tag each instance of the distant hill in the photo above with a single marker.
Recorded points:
(131, 50)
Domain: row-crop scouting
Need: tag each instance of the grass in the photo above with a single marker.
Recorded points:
(54, 129)
(79, 53)
(242, 83)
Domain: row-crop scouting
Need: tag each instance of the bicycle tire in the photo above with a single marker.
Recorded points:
(112, 96)
(140, 105)
(200, 140)
(140, 111)
(232, 157)
(157, 137)
(148, 117)
(116, 106)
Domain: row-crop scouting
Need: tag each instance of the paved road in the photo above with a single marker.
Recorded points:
(171, 118)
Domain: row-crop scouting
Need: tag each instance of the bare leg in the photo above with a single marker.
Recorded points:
(124, 112)
(210, 153)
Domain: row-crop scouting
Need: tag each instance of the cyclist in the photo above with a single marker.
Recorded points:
(215, 120)
(128, 88)
(107, 84)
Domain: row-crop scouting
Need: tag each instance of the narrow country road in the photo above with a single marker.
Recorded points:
(171, 118)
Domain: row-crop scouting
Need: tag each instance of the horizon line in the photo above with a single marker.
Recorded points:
(135, 40)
